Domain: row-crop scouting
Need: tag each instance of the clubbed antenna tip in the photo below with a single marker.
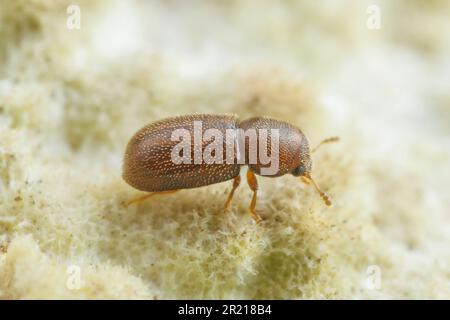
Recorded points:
(328, 140)
(326, 198)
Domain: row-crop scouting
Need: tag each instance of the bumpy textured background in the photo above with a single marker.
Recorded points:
(71, 99)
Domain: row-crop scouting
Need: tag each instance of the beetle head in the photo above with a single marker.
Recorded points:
(303, 170)
(304, 160)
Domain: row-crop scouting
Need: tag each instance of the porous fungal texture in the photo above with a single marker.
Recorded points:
(71, 99)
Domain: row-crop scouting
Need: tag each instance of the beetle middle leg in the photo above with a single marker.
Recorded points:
(253, 184)
(236, 182)
(145, 197)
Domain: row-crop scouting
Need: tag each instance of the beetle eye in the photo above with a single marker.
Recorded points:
(298, 171)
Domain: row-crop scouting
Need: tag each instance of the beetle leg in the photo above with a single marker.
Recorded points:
(236, 182)
(253, 184)
(145, 197)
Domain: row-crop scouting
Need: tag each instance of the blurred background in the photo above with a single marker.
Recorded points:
(77, 79)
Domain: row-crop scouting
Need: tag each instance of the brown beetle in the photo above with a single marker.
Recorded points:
(155, 162)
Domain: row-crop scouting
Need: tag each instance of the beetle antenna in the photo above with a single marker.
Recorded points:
(328, 140)
(326, 198)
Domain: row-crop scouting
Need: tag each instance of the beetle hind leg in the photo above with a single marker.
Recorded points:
(145, 197)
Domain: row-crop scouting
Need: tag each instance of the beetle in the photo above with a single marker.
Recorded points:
(149, 165)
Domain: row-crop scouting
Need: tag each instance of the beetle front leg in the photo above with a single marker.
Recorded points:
(253, 184)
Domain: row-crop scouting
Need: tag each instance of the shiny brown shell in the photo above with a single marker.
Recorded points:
(148, 165)
(293, 145)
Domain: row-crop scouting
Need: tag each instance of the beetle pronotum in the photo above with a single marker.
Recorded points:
(149, 165)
